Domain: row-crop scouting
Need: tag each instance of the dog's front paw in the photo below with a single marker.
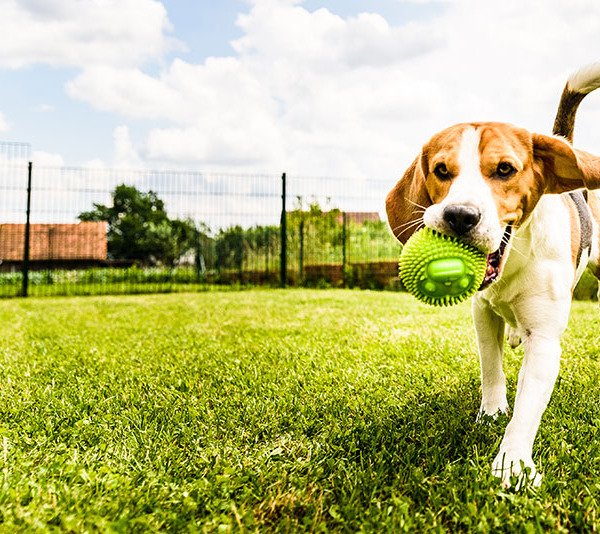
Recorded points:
(515, 470)
(492, 407)
(491, 414)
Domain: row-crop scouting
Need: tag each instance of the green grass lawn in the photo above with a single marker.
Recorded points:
(271, 410)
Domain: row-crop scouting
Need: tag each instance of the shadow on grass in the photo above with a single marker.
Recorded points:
(427, 447)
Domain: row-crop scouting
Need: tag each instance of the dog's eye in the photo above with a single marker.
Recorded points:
(441, 171)
(504, 170)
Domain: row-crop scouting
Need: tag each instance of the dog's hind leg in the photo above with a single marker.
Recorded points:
(593, 202)
(513, 337)
(489, 328)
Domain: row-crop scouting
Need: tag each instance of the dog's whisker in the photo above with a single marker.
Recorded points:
(409, 223)
(518, 251)
(507, 241)
(414, 225)
(416, 204)
(407, 229)
(517, 238)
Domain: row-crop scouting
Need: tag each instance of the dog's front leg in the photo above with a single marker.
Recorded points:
(536, 382)
(489, 328)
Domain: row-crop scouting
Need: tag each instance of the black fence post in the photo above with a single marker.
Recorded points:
(241, 256)
(267, 239)
(26, 244)
(218, 257)
(344, 248)
(199, 263)
(283, 273)
(301, 250)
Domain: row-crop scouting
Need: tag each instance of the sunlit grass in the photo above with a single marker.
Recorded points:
(271, 410)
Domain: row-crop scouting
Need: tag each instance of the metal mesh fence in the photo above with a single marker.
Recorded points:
(97, 230)
(337, 232)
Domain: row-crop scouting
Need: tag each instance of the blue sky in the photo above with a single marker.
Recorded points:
(343, 87)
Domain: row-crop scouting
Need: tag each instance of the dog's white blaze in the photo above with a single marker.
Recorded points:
(469, 184)
(470, 188)
(469, 156)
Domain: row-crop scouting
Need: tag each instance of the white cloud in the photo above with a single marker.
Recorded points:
(300, 93)
(43, 108)
(125, 156)
(207, 105)
(322, 40)
(4, 124)
(78, 33)
(95, 163)
(426, 1)
(316, 93)
(127, 91)
(47, 159)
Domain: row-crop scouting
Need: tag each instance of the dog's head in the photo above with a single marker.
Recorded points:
(479, 181)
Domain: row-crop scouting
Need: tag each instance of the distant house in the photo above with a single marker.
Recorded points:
(359, 217)
(54, 245)
(356, 217)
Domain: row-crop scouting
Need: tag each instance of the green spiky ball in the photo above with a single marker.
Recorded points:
(440, 270)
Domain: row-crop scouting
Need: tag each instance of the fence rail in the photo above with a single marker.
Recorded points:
(78, 230)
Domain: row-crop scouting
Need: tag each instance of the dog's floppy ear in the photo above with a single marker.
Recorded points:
(407, 201)
(562, 167)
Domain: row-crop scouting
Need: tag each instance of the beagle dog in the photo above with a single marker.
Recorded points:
(522, 198)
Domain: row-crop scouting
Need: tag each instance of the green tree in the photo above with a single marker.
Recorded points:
(230, 247)
(140, 229)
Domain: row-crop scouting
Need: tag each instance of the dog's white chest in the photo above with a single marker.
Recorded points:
(501, 307)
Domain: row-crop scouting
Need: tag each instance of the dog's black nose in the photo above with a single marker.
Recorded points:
(461, 218)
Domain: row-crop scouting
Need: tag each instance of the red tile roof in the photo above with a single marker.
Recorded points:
(83, 241)
(359, 217)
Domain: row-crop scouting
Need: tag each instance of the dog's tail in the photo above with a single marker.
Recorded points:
(579, 84)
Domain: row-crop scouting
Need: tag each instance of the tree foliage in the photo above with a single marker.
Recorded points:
(235, 245)
(140, 229)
